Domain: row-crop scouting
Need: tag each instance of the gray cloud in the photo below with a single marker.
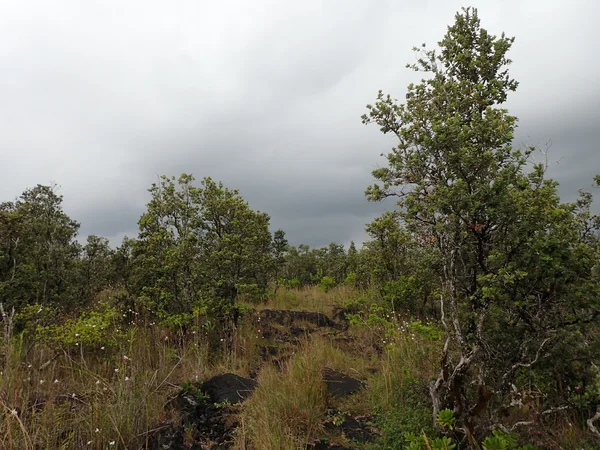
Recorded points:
(101, 97)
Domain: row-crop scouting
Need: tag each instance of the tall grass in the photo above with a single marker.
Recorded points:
(310, 298)
(287, 409)
(92, 398)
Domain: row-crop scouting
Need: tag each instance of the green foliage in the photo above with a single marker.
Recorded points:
(403, 294)
(198, 244)
(96, 269)
(446, 419)
(279, 248)
(326, 283)
(292, 283)
(30, 318)
(338, 418)
(94, 329)
(38, 251)
(351, 279)
(422, 442)
(500, 440)
(513, 261)
(430, 331)
(309, 266)
(194, 390)
(356, 305)
(497, 441)
(405, 411)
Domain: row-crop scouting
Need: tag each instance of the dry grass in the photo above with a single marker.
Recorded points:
(115, 398)
(91, 399)
(287, 409)
(310, 298)
(241, 355)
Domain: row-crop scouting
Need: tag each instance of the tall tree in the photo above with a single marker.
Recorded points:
(38, 250)
(514, 276)
(199, 243)
(95, 266)
(280, 248)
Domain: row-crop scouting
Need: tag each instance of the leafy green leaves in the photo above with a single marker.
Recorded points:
(515, 264)
(198, 244)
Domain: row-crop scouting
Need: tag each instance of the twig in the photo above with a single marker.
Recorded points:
(591, 426)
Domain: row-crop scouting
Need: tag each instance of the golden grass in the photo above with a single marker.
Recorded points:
(116, 398)
(287, 409)
(310, 298)
(90, 399)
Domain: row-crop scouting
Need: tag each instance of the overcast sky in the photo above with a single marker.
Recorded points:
(266, 96)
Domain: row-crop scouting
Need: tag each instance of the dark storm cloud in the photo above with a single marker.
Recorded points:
(102, 97)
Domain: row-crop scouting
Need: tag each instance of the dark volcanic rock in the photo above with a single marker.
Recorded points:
(325, 445)
(212, 424)
(357, 429)
(340, 385)
(229, 387)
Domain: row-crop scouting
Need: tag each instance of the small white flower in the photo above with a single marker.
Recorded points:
(77, 344)
(97, 430)
(102, 348)
(56, 381)
(89, 443)
(74, 395)
(126, 378)
(41, 381)
(97, 381)
(116, 370)
(126, 358)
(111, 443)
(14, 412)
(76, 334)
